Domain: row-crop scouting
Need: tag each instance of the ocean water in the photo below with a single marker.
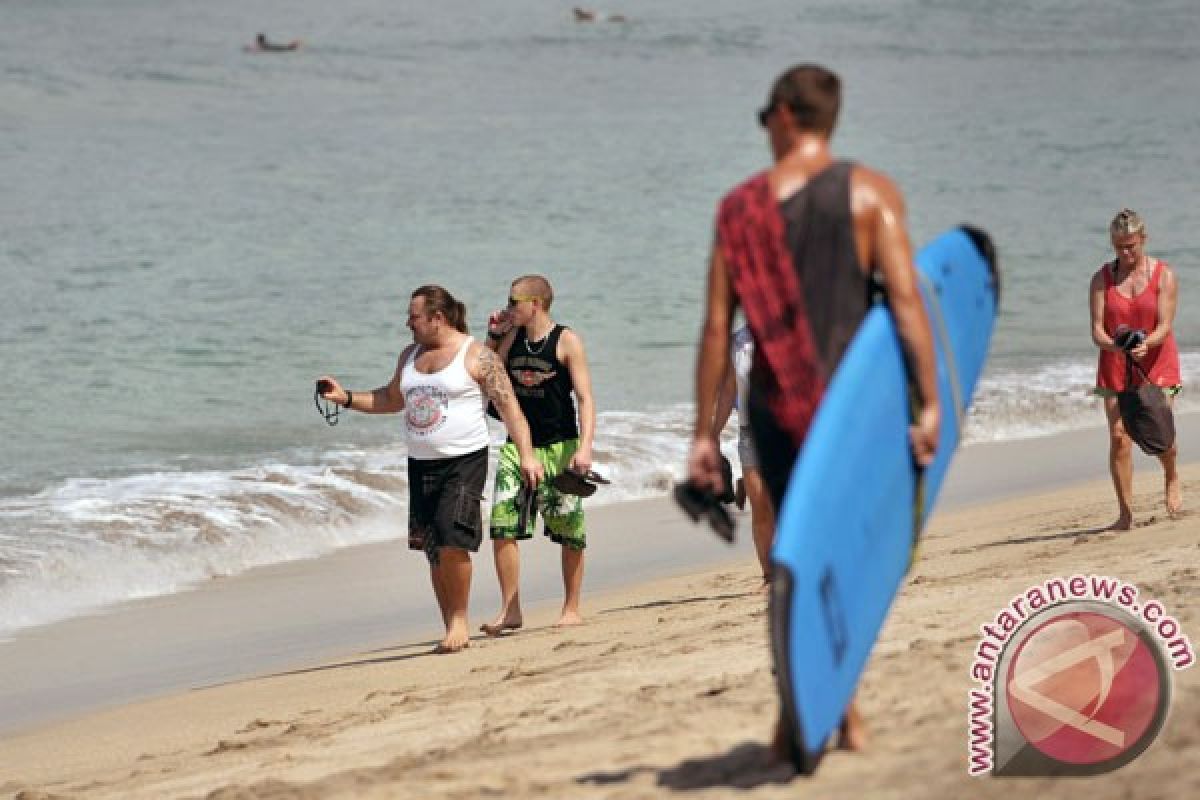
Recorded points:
(190, 234)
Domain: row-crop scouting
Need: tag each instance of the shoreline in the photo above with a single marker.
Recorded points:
(297, 613)
(668, 689)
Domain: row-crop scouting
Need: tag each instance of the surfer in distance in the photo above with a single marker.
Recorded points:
(262, 45)
(588, 15)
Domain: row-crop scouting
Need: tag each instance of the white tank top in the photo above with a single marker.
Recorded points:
(443, 411)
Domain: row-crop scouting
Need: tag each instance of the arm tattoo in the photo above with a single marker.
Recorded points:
(494, 381)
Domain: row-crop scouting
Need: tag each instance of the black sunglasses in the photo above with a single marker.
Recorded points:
(326, 408)
(765, 115)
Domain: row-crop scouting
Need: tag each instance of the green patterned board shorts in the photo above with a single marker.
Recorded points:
(562, 513)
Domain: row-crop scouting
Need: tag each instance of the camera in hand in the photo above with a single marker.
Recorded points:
(324, 387)
(1128, 338)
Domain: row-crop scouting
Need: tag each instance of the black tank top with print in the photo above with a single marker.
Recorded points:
(543, 387)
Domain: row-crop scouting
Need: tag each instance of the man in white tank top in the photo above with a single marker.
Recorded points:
(443, 382)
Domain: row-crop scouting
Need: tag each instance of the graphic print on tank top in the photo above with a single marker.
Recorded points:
(531, 365)
(528, 373)
(425, 409)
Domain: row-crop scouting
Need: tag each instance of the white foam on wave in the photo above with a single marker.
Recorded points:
(642, 453)
(1013, 404)
(89, 543)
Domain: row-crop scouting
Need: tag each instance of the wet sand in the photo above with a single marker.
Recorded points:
(666, 691)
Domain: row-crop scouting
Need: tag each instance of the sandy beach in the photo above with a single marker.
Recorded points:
(205, 585)
(666, 691)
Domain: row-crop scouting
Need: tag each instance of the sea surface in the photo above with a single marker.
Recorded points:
(191, 233)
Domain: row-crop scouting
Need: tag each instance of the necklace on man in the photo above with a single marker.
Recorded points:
(528, 343)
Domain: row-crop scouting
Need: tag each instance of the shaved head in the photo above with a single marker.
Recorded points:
(535, 285)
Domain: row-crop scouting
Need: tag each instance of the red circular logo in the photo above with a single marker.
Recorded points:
(1085, 688)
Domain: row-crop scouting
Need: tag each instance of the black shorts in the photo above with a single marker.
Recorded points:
(444, 497)
(776, 453)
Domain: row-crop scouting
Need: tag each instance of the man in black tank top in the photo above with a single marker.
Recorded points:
(794, 247)
(548, 368)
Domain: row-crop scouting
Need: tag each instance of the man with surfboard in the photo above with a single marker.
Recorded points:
(798, 247)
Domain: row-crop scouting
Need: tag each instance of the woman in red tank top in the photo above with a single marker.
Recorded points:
(1137, 292)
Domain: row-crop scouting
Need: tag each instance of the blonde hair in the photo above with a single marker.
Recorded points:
(1127, 222)
(537, 285)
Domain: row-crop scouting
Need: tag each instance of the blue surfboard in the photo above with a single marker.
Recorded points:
(855, 500)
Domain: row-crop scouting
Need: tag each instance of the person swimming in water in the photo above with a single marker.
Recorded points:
(262, 45)
(588, 15)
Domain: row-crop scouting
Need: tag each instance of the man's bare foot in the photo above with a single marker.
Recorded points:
(1174, 495)
(852, 734)
(455, 641)
(1123, 523)
(569, 618)
(502, 623)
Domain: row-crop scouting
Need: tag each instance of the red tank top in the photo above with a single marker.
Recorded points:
(1161, 363)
